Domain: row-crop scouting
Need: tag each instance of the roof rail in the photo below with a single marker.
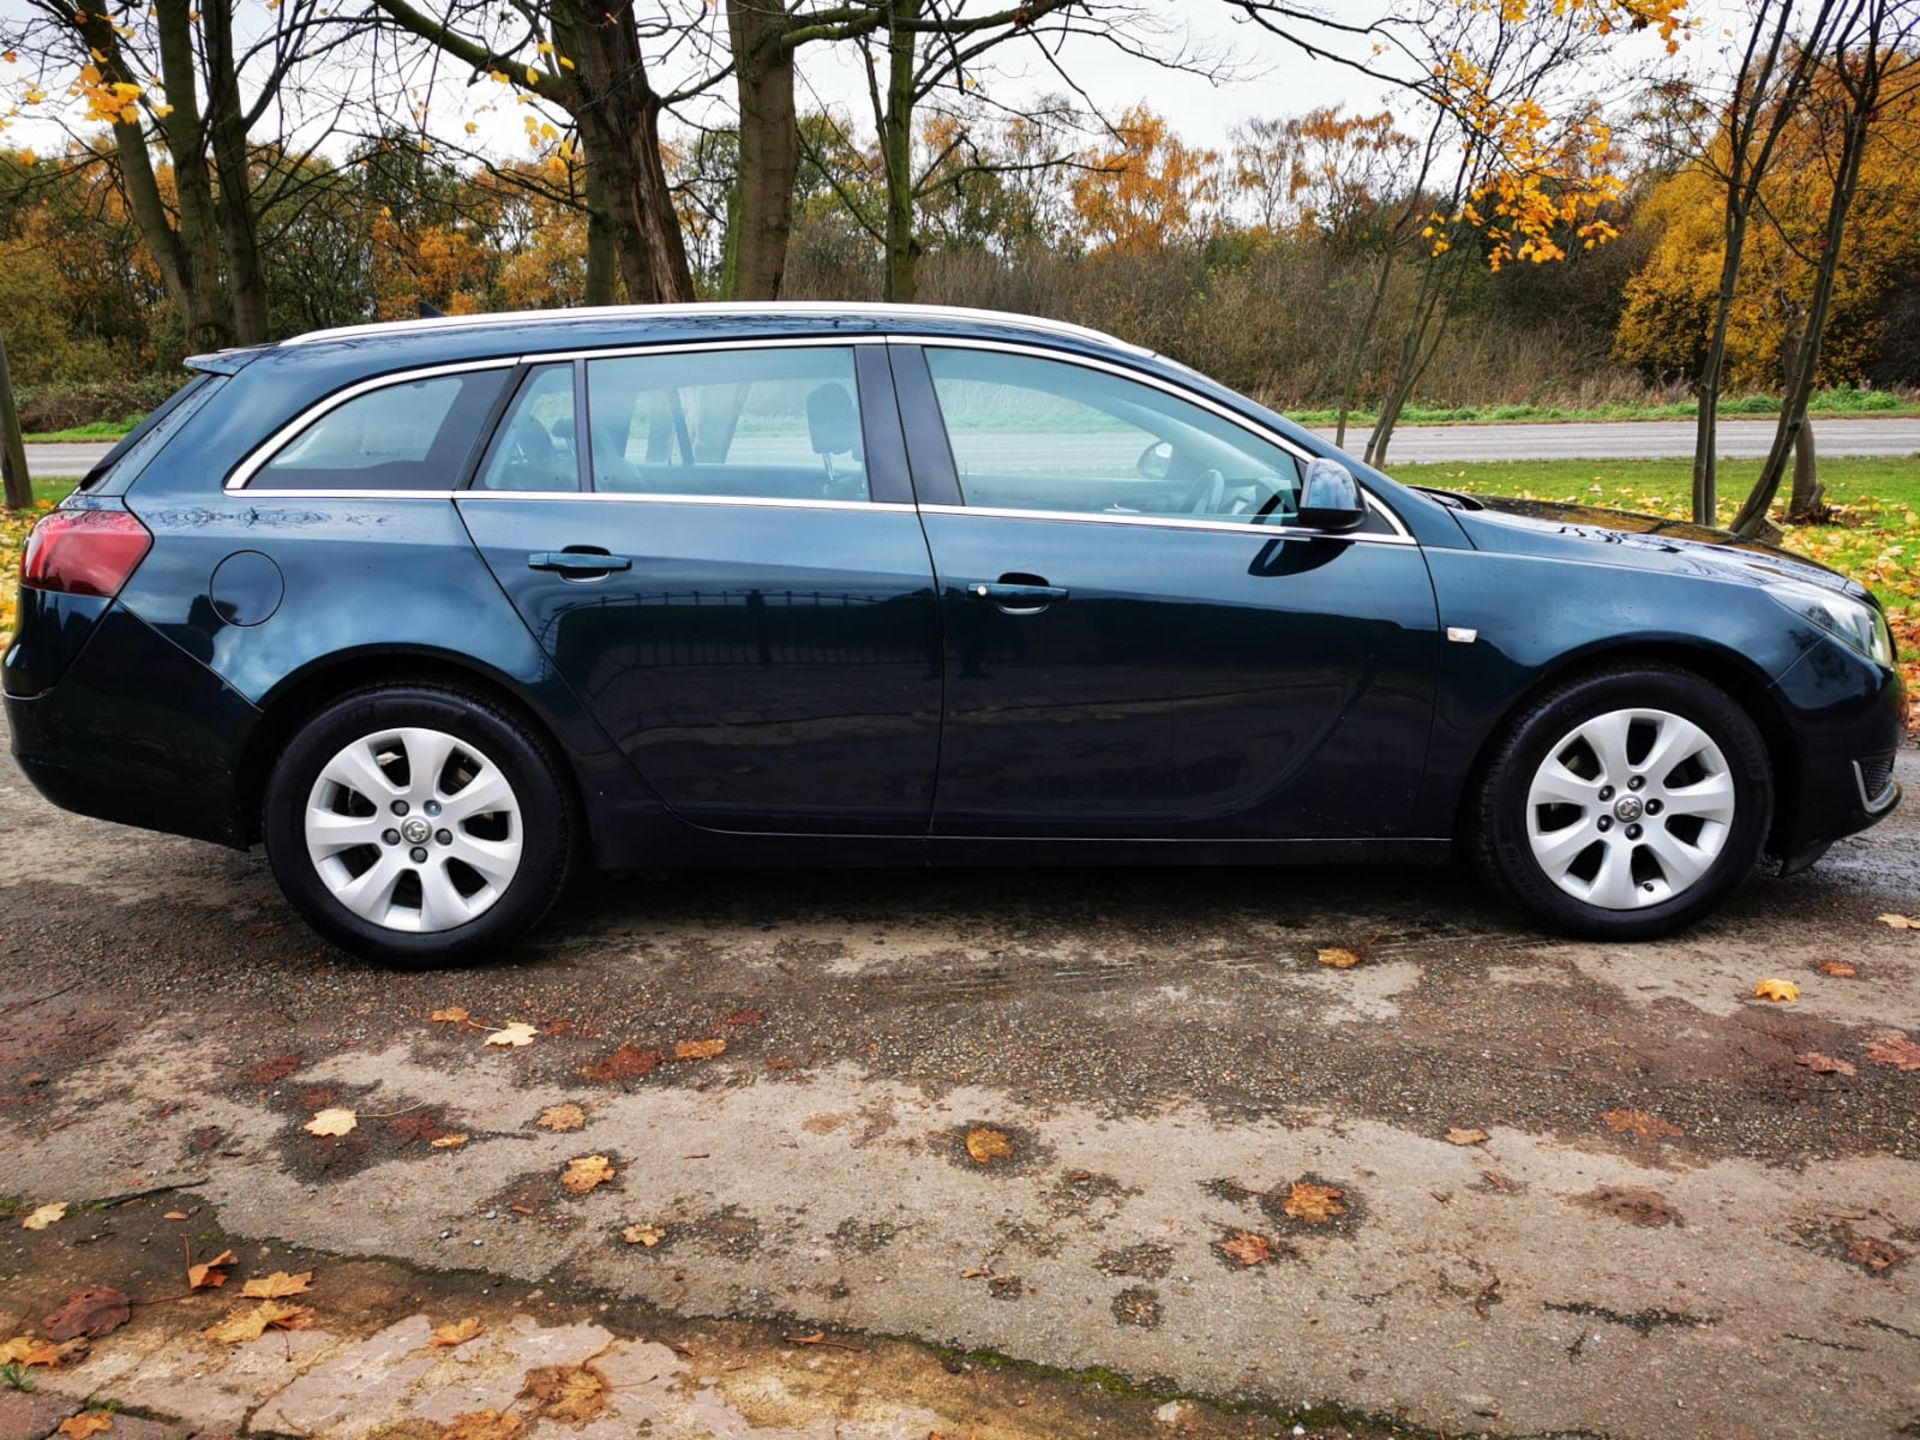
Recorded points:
(819, 308)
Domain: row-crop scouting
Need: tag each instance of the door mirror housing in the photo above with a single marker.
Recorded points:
(1330, 498)
(1156, 461)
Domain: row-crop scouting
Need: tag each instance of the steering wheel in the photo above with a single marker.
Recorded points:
(1208, 495)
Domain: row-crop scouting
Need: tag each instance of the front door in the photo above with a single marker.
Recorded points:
(1139, 643)
(718, 550)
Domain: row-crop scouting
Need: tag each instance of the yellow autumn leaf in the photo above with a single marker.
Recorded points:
(210, 1274)
(335, 1121)
(568, 1116)
(1337, 956)
(453, 1014)
(455, 1332)
(1900, 922)
(277, 1286)
(43, 1217)
(585, 1173)
(987, 1146)
(1777, 990)
(1315, 1204)
(483, 1425)
(449, 1142)
(699, 1049)
(89, 1422)
(1459, 1136)
(243, 1325)
(647, 1235)
(517, 1034)
(26, 1350)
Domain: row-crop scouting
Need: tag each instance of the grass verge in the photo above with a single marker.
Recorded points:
(1840, 402)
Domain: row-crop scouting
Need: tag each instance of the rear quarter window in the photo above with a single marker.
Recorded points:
(413, 434)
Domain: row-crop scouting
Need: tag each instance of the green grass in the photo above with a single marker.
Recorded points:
(1838, 402)
(98, 430)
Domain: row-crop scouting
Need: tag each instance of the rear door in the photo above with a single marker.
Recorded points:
(1139, 641)
(718, 549)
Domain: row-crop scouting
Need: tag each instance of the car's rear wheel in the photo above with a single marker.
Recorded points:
(1626, 803)
(418, 824)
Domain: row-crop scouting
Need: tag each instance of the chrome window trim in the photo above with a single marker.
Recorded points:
(809, 309)
(640, 350)
(772, 502)
(258, 458)
(1174, 522)
(1179, 392)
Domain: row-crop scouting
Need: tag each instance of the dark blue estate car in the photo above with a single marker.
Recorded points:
(440, 610)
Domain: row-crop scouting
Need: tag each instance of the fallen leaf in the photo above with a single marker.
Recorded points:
(211, 1274)
(1896, 1050)
(43, 1217)
(1839, 969)
(483, 1425)
(1245, 1248)
(629, 1062)
(743, 1018)
(987, 1146)
(452, 1015)
(1825, 1064)
(93, 1312)
(241, 1326)
(571, 1394)
(518, 1033)
(1337, 956)
(584, 1173)
(562, 1117)
(1638, 1122)
(1901, 922)
(647, 1235)
(1777, 991)
(277, 1286)
(174, 1215)
(1457, 1136)
(456, 1332)
(699, 1049)
(25, 1350)
(1633, 1203)
(1876, 1255)
(336, 1121)
(1315, 1204)
(818, 1337)
(89, 1422)
(449, 1142)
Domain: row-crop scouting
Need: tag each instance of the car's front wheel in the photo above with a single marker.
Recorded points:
(1626, 803)
(418, 824)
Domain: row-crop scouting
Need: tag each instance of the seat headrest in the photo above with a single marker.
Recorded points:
(832, 426)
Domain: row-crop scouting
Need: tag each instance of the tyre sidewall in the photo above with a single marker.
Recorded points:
(1504, 843)
(546, 820)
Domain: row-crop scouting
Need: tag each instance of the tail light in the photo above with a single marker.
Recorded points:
(84, 552)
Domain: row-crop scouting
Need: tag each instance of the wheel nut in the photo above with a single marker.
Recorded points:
(443, 837)
(1654, 807)
(419, 853)
(1606, 822)
(1636, 782)
(1606, 793)
(1633, 832)
(390, 837)
(399, 807)
(433, 807)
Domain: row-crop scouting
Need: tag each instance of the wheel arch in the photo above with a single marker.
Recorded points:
(298, 696)
(1733, 673)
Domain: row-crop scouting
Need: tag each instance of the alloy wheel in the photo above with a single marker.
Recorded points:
(1631, 808)
(414, 829)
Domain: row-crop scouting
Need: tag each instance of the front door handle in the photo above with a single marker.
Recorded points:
(578, 560)
(1018, 597)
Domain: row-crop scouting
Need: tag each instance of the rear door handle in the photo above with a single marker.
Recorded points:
(578, 560)
(1017, 598)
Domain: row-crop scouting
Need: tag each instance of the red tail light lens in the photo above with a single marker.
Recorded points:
(84, 552)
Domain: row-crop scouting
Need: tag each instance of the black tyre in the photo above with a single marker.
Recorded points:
(1624, 804)
(419, 824)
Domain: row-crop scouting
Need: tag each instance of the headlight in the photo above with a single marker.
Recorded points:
(1858, 624)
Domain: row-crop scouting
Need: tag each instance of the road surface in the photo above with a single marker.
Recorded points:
(1617, 440)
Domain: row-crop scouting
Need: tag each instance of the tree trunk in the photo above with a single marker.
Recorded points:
(227, 129)
(619, 118)
(896, 150)
(1793, 409)
(760, 216)
(1360, 344)
(600, 261)
(1809, 495)
(13, 449)
(1706, 460)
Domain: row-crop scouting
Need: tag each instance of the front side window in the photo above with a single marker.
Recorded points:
(410, 435)
(1035, 434)
(753, 423)
(534, 446)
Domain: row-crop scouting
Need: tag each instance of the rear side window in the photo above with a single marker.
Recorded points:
(534, 447)
(122, 465)
(410, 435)
(752, 423)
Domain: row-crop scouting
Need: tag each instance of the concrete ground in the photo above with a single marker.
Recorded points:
(1574, 440)
(970, 1154)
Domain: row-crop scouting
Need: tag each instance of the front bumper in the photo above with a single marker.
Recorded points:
(1847, 718)
(139, 732)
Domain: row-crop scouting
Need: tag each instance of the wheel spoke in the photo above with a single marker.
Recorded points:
(354, 769)
(1676, 741)
(441, 905)
(1557, 849)
(1613, 885)
(1711, 798)
(370, 894)
(329, 832)
(1607, 735)
(1680, 862)
(487, 791)
(1557, 785)
(494, 860)
(427, 752)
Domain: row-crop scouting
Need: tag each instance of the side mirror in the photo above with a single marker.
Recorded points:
(1331, 499)
(1156, 461)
